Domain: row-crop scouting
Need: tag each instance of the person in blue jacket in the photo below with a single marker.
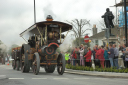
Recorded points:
(106, 62)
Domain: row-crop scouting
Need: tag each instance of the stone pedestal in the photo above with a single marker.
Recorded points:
(112, 40)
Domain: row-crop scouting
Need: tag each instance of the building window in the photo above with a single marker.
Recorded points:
(96, 42)
(112, 42)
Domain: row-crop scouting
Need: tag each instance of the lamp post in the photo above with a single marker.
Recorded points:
(34, 13)
(125, 15)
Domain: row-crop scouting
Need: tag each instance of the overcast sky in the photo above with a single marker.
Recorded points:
(17, 15)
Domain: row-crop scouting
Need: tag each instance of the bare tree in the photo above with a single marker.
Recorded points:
(78, 27)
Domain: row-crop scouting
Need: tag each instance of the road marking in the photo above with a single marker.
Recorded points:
(60, 78)
(39, 78)
(16, 78)
(99, 78)
(81, 78)
(8, 68)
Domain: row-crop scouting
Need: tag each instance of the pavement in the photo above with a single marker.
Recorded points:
(14, 77)
(100, 74)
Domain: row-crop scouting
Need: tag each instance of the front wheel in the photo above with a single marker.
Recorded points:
(36, 64)
(61, 64)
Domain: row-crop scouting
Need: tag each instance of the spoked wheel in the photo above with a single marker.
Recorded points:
(36, 63)
(17, 65)
(61, 64)
(25, 63)
(13, 64)
(50, 69)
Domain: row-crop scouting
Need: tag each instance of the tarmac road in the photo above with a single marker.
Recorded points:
(8, 76)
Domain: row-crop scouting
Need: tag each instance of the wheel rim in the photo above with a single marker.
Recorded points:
(35, 68)
(61, 64)
(36, 64)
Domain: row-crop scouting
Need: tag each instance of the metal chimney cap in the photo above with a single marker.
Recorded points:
(49, 17)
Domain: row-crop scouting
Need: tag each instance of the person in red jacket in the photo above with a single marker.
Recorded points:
(74, 56)
(88, 58)
(96, 48)
(100, 56)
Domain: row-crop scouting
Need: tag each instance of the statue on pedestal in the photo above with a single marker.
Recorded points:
(108, 18)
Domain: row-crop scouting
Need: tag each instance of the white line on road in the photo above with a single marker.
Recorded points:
(16, 78)
(81, 78)
(8, 68)
(39, 78)
(100, 78)
(60, 78)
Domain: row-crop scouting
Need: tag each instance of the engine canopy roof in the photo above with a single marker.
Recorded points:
(33, 29)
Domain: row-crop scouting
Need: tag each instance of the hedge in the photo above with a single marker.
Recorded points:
(83, 68)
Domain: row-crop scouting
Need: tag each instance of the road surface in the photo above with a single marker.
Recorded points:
(14, 77)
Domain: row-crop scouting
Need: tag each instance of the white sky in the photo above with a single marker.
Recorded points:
(17, 15)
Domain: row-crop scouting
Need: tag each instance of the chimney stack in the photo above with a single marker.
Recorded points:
(94, 29)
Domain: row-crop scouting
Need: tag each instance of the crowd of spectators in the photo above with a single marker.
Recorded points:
(101, 56)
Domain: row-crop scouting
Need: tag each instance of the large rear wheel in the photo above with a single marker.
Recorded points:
(61, 64)
(25, 63)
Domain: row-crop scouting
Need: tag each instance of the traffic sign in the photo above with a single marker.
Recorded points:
(86, 39)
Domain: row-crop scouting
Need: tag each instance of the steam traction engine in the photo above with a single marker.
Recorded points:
(40, 50)
(16, 58)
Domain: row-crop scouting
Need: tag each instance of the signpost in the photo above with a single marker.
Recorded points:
(86, 39)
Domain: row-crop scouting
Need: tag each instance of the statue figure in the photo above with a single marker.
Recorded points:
(108, 17)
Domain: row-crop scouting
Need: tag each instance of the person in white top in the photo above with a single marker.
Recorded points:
(81, 56)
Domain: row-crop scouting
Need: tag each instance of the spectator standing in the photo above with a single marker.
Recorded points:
(93, 54)
(120, 48)
(66, 56)
(126, 57)
(81, 56)
(116, 54)
(96, 48)
(88, 58)
(111, 55)
(78, 56)
(106, 62)
(97, 57)
(74, 56)
(85, 52)
(100, 53)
